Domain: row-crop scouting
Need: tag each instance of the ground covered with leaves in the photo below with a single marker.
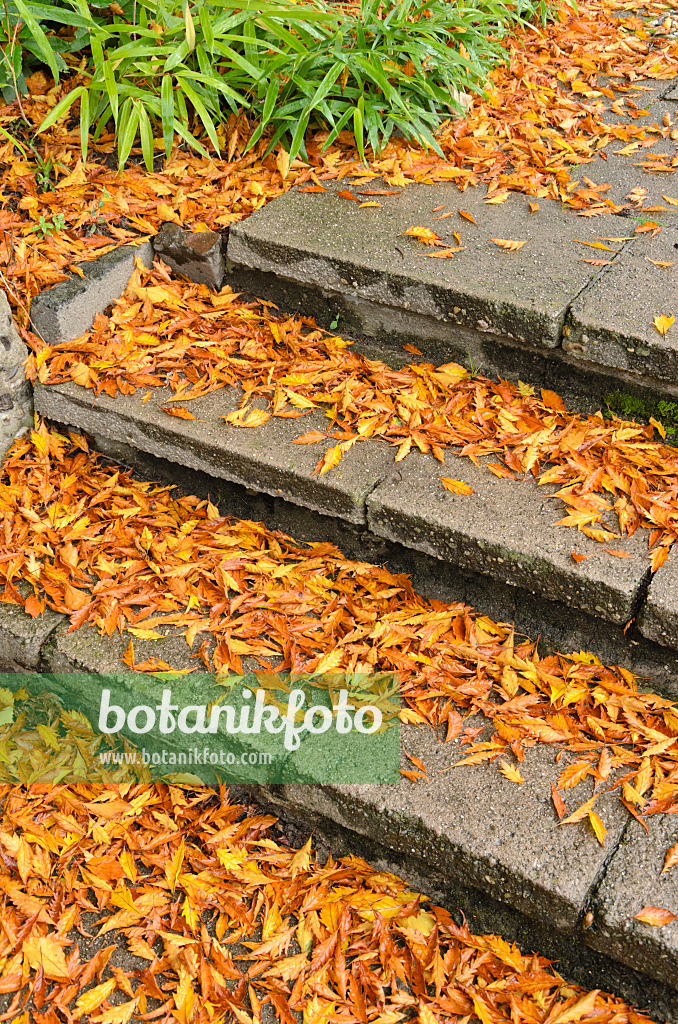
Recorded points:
(612, 476)
(163, 903)
(542, 116)
(125, 556)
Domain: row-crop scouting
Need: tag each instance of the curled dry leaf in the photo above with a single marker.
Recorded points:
(508, 244)
(671, 858)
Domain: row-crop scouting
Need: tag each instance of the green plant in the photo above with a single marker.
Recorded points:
(49, 227)
(43, 168)
(160, 69)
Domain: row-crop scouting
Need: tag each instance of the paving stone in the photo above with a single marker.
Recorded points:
(658, 617)
(633, 880)
(263, 458)
(22, 638)
(196, 255)
(472, 824)
(66, 311)
(612, 321)
(505, 530)
(341, 249)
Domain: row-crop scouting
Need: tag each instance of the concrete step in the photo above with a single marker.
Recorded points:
(541, 313)
(503, 531)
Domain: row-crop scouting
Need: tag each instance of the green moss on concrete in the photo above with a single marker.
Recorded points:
(631, 407)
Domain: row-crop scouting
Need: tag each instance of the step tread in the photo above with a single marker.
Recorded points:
(506, 529)
(331, 243)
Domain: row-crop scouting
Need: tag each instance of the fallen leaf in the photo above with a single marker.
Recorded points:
(179, 411)
(510, 772)
(466, 216)
(656, 916)
(662, 323)
(424, 235)
(508, 244)
(455, 486)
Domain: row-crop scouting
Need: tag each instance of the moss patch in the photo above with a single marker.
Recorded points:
(631, 407)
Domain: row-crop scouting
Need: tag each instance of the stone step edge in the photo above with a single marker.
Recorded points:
(364, 491)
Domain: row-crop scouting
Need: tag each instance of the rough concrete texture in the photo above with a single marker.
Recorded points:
(196, 255)
(472, 824)
(22, 638)
(323, 240)
(66, 311)
(505, 530)
(612, 322)
(263, 458)
(633, 880)
(16, 396)
(658, 617)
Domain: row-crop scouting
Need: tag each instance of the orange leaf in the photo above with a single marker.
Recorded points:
(455, 486)
(466, 216)
(179, 411)
(671, 857)
(656, 916)
(618, 554)
(558, 803)
(310, 437)
(658, 556)
(345, 194)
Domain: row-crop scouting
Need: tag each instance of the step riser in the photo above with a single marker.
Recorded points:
(380, 331)
(560, 628)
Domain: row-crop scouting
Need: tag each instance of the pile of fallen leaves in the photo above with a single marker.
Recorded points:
(163, 903)
(544, 112)
(611, 474)
(123, 555)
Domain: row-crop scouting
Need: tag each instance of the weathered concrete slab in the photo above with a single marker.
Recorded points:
(22, 638)
(612, 321)
(263, 458)
(472, 824)
(505, 530)
(634, 880)
(362, 256)
(66, 311)
(658, 617)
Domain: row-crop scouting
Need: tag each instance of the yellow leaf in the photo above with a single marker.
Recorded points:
(455, 486)
(369, 204)
(498, 197)
(599, 829)
(41, 950)
(670, 199)
(510, 772)
(661, 263)
(144, 634)
(662, 323)
(508, 244)
(330, 459)
(659, 427)
(117, 1014)
(584, 1005)
(93, 998)
(76, 177)
(173, 869)
(596, 245)
(581, 812)
(424, 235)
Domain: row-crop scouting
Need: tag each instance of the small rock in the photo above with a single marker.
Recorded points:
(194, 254)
